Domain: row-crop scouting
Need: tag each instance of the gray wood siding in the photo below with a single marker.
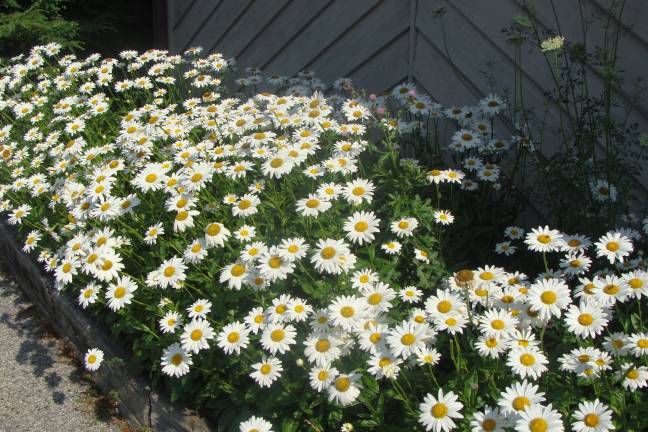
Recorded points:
(380, 43)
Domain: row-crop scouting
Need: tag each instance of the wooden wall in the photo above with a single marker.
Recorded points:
(380, 43)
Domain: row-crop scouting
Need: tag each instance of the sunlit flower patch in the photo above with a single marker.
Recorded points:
(264, 252)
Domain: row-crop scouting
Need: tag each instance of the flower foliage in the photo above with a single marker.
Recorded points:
(260, 254)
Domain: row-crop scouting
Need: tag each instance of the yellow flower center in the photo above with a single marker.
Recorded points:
(196, 335)
(538, 425)
(408, 339)
(176, 359)
(265, 369)
(275, 262)
(642, 343)
(322, 345)
(276, 162)
(358, 191)
(486, 276)
(548, 297)
(527, 359)
(374, 299)
(312, 203)
(150, 178)
(237, 270)
(612, 246)
(92, 358)
(233, 337)
(585, 319)
(498, 324)
(632, 374)
(489, 425)
(375, 338)
(277, 335)
(439, 410)
(328, 252)
(107, 265)
(520, 402)
(361, 226)
(120, 292)
(169, 271)
(347, 311)
(342, 384)
(544, 238)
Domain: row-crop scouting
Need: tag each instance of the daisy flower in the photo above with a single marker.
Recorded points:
(233, 337)
(321, 377)
(175, 361)
(278, 338)
(344, 389)
(549, 297)
(347, 311)
(527, 361)
(613, 246)
(361, 227)
(438, 413)
(443, 217)
(410, 294)
(489, 420)
(633, 377)
(539, 418)
(171, 273)
(313, 205)
(357, 191)
(404, 227)
(637, 281)
(391, 247)
(267, 371)
(170, 322)
(199, 309)
(330, 256)
(505, 248)
(497, 323)
(518, 397)
(120, 293)
(255, 424)
(638, 344)
(234, 274)
(195, 335)
(89, 295)
(153, 232)
(543, 239)
(322, 349)
(216, 235)
(408, 337)
(592, 417)
(586, 320)
(93, 359)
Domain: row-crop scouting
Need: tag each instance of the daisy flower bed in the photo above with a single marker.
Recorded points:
(266, 262)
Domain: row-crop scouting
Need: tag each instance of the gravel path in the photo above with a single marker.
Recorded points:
(42, 389)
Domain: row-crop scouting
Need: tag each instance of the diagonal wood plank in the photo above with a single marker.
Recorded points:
(179, 9)
(219, 22)
(194, 19)
(635, 16)
(385, 69)
(327, 26)
(246, 29)
(293, 19)
(364, 39)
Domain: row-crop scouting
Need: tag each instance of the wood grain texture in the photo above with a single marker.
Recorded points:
(387, 21)
(326, 27)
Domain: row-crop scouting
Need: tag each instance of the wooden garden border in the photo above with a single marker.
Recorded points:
(137, 403)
